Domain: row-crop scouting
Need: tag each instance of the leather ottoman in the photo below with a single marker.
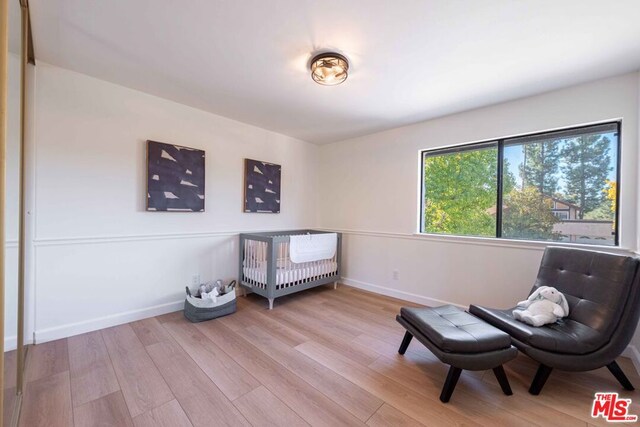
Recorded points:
(460, 340)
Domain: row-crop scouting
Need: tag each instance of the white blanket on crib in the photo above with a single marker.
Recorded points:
(312, 247)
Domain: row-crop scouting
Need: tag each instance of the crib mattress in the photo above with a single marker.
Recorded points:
(292, 273)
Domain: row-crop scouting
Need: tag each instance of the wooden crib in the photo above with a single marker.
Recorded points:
(266, 268)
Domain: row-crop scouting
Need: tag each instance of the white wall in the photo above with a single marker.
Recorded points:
(100, 258)
(370, 190)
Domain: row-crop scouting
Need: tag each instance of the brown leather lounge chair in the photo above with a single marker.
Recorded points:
(603, 292)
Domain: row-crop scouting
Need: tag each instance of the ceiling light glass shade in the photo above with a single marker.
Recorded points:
(329, 69)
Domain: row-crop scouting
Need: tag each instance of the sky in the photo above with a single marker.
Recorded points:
(514, 154)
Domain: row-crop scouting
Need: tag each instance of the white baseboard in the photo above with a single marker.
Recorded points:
(631, 351)
(71, 329)
(407, 296)
(10, 343)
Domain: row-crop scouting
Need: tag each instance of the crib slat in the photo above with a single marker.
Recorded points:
(289, 262)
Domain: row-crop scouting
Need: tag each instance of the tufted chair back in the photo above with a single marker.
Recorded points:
(598, 286)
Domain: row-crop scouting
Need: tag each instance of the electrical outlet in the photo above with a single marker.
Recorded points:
(195, 280)
(395, 274)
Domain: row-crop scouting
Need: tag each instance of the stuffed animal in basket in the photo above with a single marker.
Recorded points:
(545, 305)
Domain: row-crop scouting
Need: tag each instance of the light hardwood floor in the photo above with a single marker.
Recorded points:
(10, 372)
(323, 357)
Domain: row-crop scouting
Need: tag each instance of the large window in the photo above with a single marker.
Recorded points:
(556, 186)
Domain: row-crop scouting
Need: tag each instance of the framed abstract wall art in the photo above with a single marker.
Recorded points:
(261, 186)
(175, 178)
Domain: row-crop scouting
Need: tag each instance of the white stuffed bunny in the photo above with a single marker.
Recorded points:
(213, 295)
(545, 305)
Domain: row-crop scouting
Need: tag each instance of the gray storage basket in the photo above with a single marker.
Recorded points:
(199, 310)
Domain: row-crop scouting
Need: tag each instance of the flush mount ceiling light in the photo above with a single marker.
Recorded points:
(329, 69)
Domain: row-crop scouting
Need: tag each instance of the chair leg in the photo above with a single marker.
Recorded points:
(541, 377)
(405, 342)
(501, 376)
(617, 372)
(450, 384)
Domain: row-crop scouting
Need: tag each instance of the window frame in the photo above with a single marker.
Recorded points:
(499, 143)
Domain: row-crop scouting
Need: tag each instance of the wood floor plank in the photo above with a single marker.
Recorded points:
(241, 318)
(345, 330)
(47, 359)
(310, 404)
(142, 385)
(488, 405)
(415, 354)
(388, 416)
(363, 322)
(92, 374)
(375, 317)
(627, 365)
(318, 324)
(149, 331)
(384, 348)
(263, 409)
(168, 415)
(555, 394)
(418, 407)
(170, 317)
(9, 400)
(198, 396)
(359, 402)
(10, 369)
(109, 410)
(251, 301)
(310, 296)
(47, 402)
(247, 318)
(316, 330)
(373, 300)
(228, 376)
(599, 379)
(415, 369)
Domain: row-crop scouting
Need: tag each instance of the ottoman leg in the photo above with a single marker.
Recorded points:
(450, 383)
(501, 376)
(405, 342)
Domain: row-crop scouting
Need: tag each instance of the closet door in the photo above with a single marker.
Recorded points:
(12, 130)
(9, 168)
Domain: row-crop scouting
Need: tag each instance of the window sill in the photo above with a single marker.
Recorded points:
(481, 241)
(519, 244)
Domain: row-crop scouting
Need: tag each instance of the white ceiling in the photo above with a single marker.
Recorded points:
(411, 59)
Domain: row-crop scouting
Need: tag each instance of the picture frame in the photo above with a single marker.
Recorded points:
(175, 178)
(262, 187)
